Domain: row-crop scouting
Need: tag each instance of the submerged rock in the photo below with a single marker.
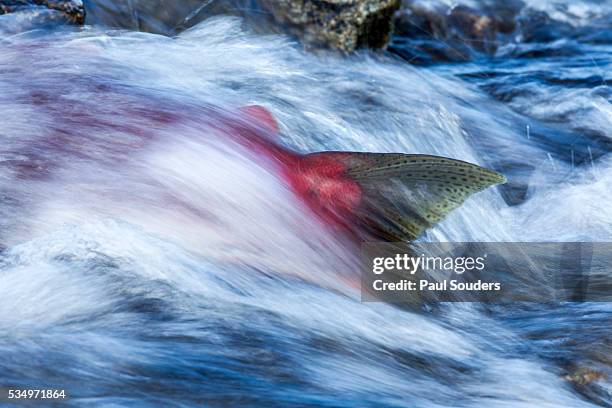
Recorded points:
(431, 31)
(45, 11)
(153, 16)
(339, 24)
(583, 376)
(422, 35)
(438, 32)
(537, 26)
(474, 27)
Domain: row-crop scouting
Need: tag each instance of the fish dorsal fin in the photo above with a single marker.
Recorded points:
(405, 194)
(261, 116)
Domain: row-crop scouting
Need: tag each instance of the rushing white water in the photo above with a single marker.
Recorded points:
(183, 269)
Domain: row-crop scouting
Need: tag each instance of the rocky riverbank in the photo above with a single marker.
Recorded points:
(419, 31)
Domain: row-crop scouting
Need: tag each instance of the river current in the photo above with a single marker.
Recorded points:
(185, 273)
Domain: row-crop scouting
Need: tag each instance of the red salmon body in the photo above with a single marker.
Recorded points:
(392, 196)
(323, 185)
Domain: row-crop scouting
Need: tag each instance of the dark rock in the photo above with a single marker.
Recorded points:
(339, 24)
(537, 26)
(165, 17)
(70, 11)
(172, 17)
(425, 35)
(474, 27)
(428, 33)
(584, 376)
(417, 21)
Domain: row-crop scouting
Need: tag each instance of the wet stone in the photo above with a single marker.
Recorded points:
(68, 11)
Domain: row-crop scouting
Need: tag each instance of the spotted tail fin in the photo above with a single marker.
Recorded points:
(405, 194)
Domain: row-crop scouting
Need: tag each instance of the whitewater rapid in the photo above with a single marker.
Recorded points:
(184, 272)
